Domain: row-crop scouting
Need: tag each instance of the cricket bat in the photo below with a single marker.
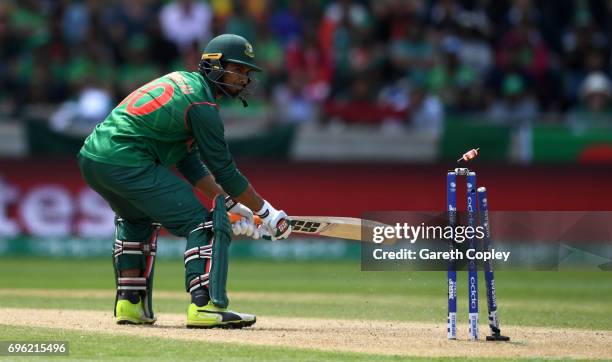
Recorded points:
(330, 226)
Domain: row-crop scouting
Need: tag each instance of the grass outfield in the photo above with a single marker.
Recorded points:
(338, 290)
(577, 299)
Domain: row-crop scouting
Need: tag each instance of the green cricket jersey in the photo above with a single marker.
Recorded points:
(172, 120)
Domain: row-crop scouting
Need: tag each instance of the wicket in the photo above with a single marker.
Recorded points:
(476, 199)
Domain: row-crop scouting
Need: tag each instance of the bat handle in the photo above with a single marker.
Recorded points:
(236, 217)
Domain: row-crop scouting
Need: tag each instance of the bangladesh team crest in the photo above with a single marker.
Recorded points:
(249, 50)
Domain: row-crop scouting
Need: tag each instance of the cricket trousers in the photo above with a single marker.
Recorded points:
(147, 194)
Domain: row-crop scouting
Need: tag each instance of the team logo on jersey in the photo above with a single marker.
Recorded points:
(249, 50)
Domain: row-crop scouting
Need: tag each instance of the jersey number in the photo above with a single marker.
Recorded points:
(153, 104)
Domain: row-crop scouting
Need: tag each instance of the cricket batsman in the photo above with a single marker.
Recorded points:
(174, 121)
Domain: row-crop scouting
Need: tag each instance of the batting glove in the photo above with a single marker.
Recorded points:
(243, 227)
(246, 224)
(275, 223)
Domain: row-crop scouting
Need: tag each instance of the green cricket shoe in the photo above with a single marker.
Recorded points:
(211, 316)
(130, 313)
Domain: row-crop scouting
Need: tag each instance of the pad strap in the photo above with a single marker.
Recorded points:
(215, 252)
(148, 251)
(202, 226)
(132, 283)
(134, 248)
(200, 252)
(199, 282)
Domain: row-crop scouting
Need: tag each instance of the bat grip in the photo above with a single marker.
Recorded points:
(236, 217)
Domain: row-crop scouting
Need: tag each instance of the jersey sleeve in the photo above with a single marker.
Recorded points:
(209, 135)
(192, 167)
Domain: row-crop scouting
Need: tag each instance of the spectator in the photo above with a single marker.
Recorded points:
(222, 9)
(257, 9)
(29, 18)
(522, 10)
(186, 21)
(315, 51)
(592, 61)
(595, 108)
(450, 79)
(365, 54)
(353, 12)
(270, 57)
(163, 51)
(189, 58)
(516, 105)
(338, 28)
(133, 17)
(585, 50)
(78, 117)
(382, 16)
(581, 39)
(75, 22)
(522, 50)
(426, 111)
(318, 67)
(241, 23)
(395, 96)
(92, 60)
(445, 15)
(292, 101)
(286, 24)
(413, 52)
(522, 47)
(358, 105)
(475, 51)
(138, 69)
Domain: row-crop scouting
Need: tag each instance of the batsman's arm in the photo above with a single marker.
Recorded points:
(209, 134)
(197, 174)
(207, 129)
(250, 198)
(192, 167)
(209, 187)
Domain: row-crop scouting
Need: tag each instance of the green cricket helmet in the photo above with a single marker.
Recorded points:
(223, 49)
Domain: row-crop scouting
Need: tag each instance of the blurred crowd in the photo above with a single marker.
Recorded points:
(403, 61)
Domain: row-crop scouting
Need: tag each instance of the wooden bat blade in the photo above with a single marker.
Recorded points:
(331, 226)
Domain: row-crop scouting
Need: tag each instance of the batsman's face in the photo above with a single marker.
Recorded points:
(237, 76)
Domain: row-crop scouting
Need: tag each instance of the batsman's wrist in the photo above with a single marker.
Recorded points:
(229, 203)
(265, 211)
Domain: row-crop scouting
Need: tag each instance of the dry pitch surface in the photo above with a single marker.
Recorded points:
(361, 336)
